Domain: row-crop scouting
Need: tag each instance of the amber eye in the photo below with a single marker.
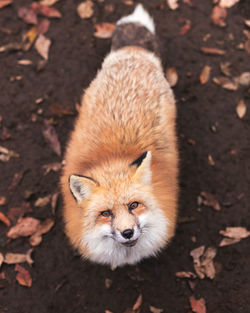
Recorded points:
(106, 213)
(133, 205)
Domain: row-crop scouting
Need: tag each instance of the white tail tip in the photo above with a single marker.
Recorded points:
(141, 16)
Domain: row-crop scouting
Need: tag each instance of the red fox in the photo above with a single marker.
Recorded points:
(120, 180)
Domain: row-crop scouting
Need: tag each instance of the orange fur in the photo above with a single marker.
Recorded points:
(128, 109)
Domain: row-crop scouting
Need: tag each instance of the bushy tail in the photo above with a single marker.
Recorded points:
(136, 29)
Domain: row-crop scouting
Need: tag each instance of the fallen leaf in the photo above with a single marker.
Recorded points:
(213, 51)
(4, 219)
(172, 76)
(235, 232)
(185, 28)
(54, 200)
(42, 46)
(28, 15)
(12, 46)
(14, 258)
(52, 167)
(61, 110)
(226, 83)
(189, 2)
(241, 109)
(24, 62)
(108, 283)
(224, 67)
(16, 180)
(25, 227)
(210, 200)
(46, 10)
(3, 200)
(219, 15)
(247, 23)
(6, 154)
(211, 160)
(207, 263)
(228, 3)
(85, 9)
(40, 202)
(228, 241)
(104, 30)
(196, 254)
(1, 259)
(185, 275)
(137, 304)
(23, 276)
(43, 228)
(16, 212)
(43, 26)
(243, 79)
(29, 38)
(198, 306)
(154, 309)
(173, 4)
(247, 46)
(50, 135)
(205, 74)
(48, 2)
(4, 3)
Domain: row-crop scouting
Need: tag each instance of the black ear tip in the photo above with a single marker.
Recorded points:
(138, 161)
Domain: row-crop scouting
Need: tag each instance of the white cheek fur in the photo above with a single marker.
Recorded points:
(104, 249)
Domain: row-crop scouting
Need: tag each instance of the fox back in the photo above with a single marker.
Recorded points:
(119, 183)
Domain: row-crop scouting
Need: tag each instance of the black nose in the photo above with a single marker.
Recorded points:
(128, 233)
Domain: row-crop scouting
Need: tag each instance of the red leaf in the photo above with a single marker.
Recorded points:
(4, 3)
(218, 16)
(4, 219)
(198, 306)
(46, 10)
(104, 30)
(43, 26)
(23, 276)
(185, 28)
(28, 15)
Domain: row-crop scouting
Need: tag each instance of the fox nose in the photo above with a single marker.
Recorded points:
(128, 233)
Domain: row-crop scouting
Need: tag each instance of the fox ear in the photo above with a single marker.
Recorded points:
(143, 172)
(81, 187)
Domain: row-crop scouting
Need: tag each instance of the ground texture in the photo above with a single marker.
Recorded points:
(214, 157)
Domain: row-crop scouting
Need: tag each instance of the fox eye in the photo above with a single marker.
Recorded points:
(133, 205)
(106, 213)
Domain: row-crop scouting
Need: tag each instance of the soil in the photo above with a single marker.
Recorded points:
(62, 282)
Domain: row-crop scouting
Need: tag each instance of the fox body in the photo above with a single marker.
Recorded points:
(119, 183)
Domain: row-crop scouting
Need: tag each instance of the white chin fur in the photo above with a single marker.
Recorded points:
(141, 16)
(104, 249)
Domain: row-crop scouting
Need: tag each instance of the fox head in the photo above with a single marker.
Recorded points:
(121, 221)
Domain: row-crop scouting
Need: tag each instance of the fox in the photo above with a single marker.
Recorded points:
(120, 178)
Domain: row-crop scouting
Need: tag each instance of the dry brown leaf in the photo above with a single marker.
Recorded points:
(189, 2)
(108, 283)
(16, 212)
(247, 23)
(247, 46)
(228, 3)
(23, 276)
(228, 241)
(173, 4)
(85, 9)
(29, 38)
(243, 79)
(46, 10)
(207, 263)
(235, 232)
(137, 304)
(28, 15)
(172, 76)
(43, 26)
(4, 219)
(52, 167)
(104, 30)
(214, 51)
(1, 259)
(12, 46)
(50, 135)
(42, 201)
(4, 3)
(185, 275)
(6, 154)
(14, 258)
(42, 46)
(24, 227)
(198, 306)
(48, 2)
(226, 83)
(3, 200)
(219, 15)
(43, 228)
(224, 67)
(185, 28)
(154, 309)
(210, 200)
(54, 200)
(211, 160)
(24, 62)
(205, 74)
(241, 109)
(196, 254)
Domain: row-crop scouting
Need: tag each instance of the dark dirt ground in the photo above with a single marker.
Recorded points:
(62, 282)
